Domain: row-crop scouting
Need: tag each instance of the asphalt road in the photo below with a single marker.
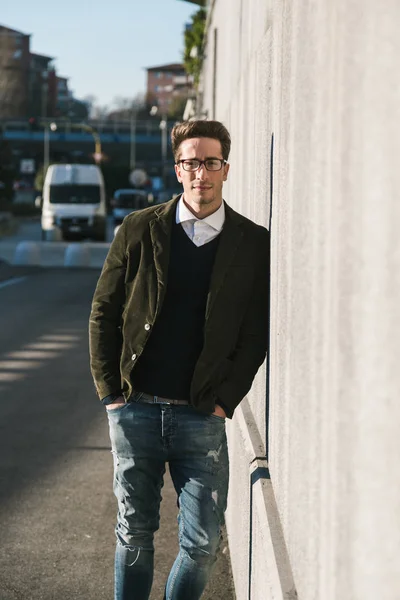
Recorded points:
(57, 510)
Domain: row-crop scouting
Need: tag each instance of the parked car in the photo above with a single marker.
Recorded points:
(128, 200)
(168, 194)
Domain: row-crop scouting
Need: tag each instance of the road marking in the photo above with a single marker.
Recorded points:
(12, 281)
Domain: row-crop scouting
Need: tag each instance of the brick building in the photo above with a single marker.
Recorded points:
(166, 83)
(42, 86)
(14, 73)
(29, 84)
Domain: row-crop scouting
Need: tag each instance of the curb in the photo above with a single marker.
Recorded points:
(57, 254)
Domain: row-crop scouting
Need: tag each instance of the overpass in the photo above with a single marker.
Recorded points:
(120, 140)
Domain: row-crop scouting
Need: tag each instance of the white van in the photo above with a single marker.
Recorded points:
(74, 203)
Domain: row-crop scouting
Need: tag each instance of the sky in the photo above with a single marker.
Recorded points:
(104, 47)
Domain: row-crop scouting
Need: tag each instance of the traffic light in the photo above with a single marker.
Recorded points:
(33, 124)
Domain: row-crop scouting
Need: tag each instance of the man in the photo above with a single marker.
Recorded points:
(178, 330)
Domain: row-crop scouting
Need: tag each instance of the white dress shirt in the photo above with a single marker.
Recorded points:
(200, 231)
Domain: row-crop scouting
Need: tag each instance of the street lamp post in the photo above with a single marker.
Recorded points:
(53, 126)
(46, 145)
(132, 152)
(45, 92)
(46, 149)
(164, 143)
(164, 132)
(97, 142)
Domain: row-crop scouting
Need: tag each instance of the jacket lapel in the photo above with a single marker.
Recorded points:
(160, 233)
(230, 240)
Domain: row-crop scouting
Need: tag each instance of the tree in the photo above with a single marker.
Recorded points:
(123, 107)
(194, 39)
(73, 109)
(100, 113)
(39, 179)
(95, 110)
(177, 107)
(120, 109)
(90, 100)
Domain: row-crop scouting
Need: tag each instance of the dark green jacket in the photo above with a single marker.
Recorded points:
(130, 293)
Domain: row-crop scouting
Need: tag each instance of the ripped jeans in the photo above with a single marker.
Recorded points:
(143, 438)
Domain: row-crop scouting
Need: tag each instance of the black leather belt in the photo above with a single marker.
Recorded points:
(149, 399)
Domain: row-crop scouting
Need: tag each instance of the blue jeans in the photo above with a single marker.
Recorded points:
(143, 438)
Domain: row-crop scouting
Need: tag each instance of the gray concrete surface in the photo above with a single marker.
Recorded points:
(311, 89)
(57, 510)
(14, 248)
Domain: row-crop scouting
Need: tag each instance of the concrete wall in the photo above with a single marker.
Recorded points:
(321, 79)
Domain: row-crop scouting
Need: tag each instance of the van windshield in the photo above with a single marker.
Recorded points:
(74, 194)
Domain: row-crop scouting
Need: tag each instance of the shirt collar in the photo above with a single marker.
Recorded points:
(215, 220)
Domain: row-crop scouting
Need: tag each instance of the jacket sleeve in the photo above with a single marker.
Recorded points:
(252, 343)
(105, 340)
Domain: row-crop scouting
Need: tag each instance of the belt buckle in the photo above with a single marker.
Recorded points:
(157, 401)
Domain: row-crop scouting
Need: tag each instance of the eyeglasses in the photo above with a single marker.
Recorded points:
(193, 164)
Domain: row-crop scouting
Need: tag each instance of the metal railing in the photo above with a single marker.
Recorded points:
(150, 126)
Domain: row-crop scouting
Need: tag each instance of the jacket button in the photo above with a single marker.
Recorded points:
(133, 356)
(147, 327)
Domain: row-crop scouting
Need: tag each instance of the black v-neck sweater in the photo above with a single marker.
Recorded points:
(166, 365)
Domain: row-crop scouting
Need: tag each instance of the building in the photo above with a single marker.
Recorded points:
(166, 84)
(14, 73)
(42, 77)
(29, 84)
(63, 97)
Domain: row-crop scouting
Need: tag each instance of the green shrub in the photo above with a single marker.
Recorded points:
(194, 39)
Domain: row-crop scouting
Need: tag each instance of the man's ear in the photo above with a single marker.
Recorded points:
(226, 171)
(178, 173)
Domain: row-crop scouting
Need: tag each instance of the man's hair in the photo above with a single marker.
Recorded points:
(195, 129)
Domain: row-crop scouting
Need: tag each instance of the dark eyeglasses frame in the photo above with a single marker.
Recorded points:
(201, 162)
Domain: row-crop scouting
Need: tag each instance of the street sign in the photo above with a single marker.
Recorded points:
(27, 165)
(138, 177)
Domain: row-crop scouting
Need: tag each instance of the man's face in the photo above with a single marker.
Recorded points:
(202, 189)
